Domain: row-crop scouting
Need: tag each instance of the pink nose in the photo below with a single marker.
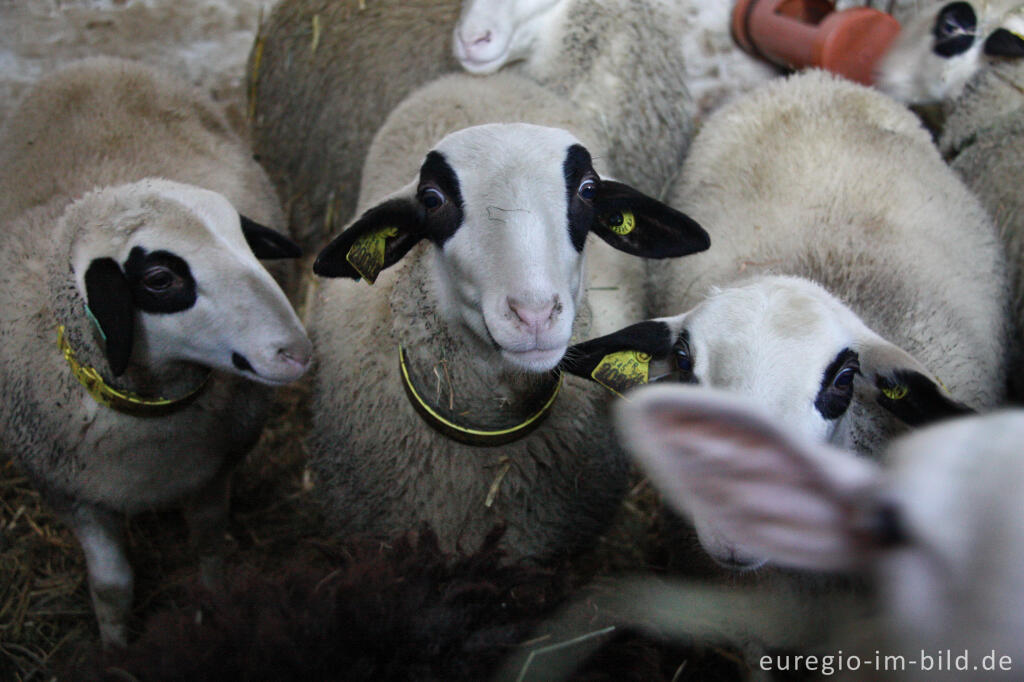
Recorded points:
(535, 316)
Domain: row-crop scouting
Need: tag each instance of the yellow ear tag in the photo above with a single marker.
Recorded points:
(367, 253)
(897, 392)
(626, 224)
(623, 370)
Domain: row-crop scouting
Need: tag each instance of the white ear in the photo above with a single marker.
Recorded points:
(721, 460)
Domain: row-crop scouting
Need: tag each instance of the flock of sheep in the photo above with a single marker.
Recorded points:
(829, 277)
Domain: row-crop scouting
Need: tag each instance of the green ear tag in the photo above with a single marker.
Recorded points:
(896, 392)
(367, 253)
(624, 223)
(623, 370)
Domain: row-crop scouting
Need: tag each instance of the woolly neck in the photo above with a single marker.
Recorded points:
(456, 374)
(69, 310)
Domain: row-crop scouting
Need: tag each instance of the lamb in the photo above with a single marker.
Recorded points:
(141, 337)
(322, 77)
(937, 527)
(855, 285)
(941, 46)
(693, 41)
(467, 329)
(983, 141)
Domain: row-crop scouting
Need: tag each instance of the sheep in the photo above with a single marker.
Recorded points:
(983, 141)
(855, 285)
(482, 314)
(941, 46)
(141, 337)
(694, 41)
(322, 76)
(937, 527)
(381, 611)
(620, 61)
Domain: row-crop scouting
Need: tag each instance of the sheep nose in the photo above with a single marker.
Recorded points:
(297, 354)
(533, 315)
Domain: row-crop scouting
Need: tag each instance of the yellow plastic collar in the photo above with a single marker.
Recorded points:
(465, 434)
(122, 401)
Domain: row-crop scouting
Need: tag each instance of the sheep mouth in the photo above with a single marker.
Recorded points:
(291, 369)
(535, 359)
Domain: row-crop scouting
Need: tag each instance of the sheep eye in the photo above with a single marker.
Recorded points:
(587, 190)
(683, 358)
(158, 279)
(955, 29)
(432, 199)
(845, 377)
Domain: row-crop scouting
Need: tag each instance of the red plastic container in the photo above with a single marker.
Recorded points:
(802, 33)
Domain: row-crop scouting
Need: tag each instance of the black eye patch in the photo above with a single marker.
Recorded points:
(955, 29)
(576, 166)
(836, 390)
(442, 220)
(160, 281)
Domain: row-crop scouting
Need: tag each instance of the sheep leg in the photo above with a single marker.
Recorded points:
(206, 513)
(100, 533)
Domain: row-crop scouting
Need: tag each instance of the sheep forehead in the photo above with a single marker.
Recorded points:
(512, 181)
(773, 337)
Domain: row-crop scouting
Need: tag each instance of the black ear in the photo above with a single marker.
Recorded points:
(915, 399)
(1003, 43)
(620, 360)
(109, 297)
(376, 241)
(267, 243)
(642, 226)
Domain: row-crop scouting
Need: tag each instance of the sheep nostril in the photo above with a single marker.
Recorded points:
(482, 40)
(241, 363)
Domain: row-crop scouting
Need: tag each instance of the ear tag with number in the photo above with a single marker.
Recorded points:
(623, 370)
(366, 254)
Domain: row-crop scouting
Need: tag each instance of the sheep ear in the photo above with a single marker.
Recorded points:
(1004, 43)
(267, 243)
(642, 226)
(904, 387)
(620, 360)
(377, 240)
(109, 297)
(714, 456)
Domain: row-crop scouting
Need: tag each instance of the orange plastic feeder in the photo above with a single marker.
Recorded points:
(802, 33)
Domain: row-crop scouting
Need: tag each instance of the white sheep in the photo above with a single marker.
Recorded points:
(855, 283)
(983, 141)
(943, 44)
(140, 335)
(483, 311)
(694, 42)
(938, 526)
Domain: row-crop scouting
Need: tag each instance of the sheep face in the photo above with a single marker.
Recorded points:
(939, 526)
(941, 48)
(492, 33)
(508, 208)
(788, 346)
(170, 275)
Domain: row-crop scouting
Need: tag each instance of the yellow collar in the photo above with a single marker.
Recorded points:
(122, 401)
(465, 434)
